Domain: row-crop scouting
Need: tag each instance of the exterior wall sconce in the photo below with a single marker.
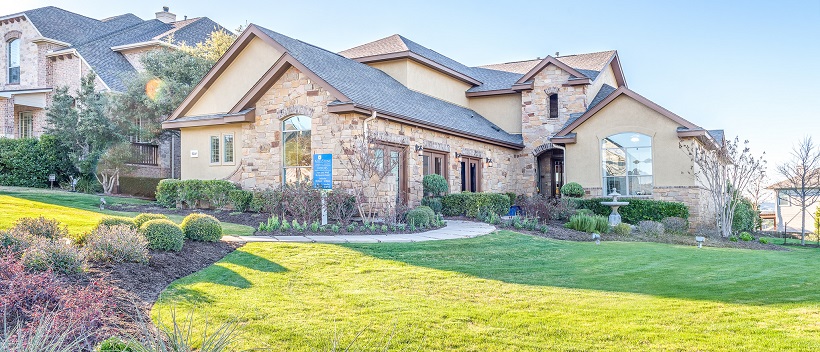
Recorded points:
(458, 156)
(419, 150)
(489, 162)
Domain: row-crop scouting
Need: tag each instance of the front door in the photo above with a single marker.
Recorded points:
(470, 174)
(551, 172)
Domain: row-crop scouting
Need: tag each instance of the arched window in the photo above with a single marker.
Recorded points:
(296, 149)
(627, 164)
(13, 57)
(554, 106)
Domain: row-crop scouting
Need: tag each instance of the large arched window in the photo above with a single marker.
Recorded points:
(627, 164)
(13, 58)
(296, 149)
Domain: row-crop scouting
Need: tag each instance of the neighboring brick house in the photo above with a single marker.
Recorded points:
(525, 127)
(49, 47)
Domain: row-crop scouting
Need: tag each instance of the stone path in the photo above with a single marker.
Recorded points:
(454, 229)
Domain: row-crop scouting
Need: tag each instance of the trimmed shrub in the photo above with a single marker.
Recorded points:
(433, 203)
(28, 162)
(191, 192)
(216, 192)
(146, 217)
(745, 236)
(512, 197)
(638, 209)
(139, 186)
(420, 216)
(117, 244)
(497, 203)
(201, 227)
(41, 227)
(572, 189)
(58, 256)
(622, 229)
(240, 199)
(454, 204)
(163, 234)
(167, 193)
(587, 223)
(434, 185)
(651, 228)
(267, 201)
(116, 220)
(302, 202)
(675, 225)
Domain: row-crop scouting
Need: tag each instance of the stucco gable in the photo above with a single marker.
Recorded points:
(625, 92)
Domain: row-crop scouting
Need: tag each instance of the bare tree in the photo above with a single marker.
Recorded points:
(725, 171)
(802, 175)
(371, 167)
(757, 194)
(113, 162)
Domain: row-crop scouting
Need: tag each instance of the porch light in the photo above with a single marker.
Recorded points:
(700, 240)
(458, 156)
(489, 162)
(419, 150)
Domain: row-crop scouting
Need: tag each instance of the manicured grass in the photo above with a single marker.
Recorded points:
(506, 292)
(79, 212)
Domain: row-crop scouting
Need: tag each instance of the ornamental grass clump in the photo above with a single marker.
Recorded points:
(117, 244)
(622, 229)
(588, 223)
(163, 235)
(141, 219)
(201, 227)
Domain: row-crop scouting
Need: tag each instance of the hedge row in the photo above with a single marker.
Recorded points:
(28, 162)
(190, 193)
(638, 209)
(474, 204)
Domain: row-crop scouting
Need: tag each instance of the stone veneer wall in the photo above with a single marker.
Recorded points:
(295, 94)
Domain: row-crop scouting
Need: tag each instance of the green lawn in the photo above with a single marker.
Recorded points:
(79, 212)
(507, 292)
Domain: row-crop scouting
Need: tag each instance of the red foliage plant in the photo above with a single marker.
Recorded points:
(26, 297)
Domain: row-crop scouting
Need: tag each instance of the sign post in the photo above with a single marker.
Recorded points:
(323, 178)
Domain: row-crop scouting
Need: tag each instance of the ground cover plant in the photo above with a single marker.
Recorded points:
(508, 291)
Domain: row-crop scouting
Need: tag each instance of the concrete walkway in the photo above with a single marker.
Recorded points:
(454, 229)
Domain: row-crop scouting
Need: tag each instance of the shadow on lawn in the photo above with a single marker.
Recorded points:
(729, 276)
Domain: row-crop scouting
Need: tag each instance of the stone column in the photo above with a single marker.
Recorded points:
(7, 117)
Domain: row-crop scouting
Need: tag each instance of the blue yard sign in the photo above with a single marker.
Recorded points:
(323, 171)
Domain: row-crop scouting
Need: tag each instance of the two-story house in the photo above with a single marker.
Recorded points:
(47, 48)
(526, 127)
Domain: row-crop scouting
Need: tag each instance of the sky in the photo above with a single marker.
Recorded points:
(748, 67)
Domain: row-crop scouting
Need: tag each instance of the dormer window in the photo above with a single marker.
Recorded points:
(554, 106)
(14, 61)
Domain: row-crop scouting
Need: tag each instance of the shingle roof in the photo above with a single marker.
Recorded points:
(604, 92)
(370, 87)
(590, 64)
(93, 38)
(718, 136)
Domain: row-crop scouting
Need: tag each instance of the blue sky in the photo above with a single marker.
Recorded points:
(749, 67)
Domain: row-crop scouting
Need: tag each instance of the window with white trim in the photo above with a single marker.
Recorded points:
(296, 150)
(13, 59)
(25, 125)
(214, 149)
(627, 164)
(227, 147)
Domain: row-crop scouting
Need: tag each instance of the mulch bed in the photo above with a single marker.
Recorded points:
(249, 219)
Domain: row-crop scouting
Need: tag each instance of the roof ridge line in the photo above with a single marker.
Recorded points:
(107, 35)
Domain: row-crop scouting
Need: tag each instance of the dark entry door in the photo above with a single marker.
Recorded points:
(470, 174)
(551, 172)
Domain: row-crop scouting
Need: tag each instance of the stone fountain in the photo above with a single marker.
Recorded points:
(614, 217)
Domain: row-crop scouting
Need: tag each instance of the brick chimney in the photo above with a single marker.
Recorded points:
(165, 16)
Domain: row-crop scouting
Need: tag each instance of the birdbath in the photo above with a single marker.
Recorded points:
(614, 217)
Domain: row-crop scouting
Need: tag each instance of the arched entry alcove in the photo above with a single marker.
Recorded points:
(550, 170)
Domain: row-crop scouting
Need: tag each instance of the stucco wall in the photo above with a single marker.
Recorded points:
(671, 166)
(256, 58)
(607, 76)
(502, 110)
(789, 215)
(434, 83)
(199, 139)
(394, 68)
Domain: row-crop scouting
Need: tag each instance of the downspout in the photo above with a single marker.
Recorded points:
(371, 118)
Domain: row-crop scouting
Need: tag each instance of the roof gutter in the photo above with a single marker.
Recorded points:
(355, 108)
(139, 45)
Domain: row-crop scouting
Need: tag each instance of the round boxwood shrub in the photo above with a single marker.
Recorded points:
(434, 185)
(572, 189)
(141, 219)
(116, 220)
(163, 234)
(201, 227)
(433, 203)
(421, 216)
